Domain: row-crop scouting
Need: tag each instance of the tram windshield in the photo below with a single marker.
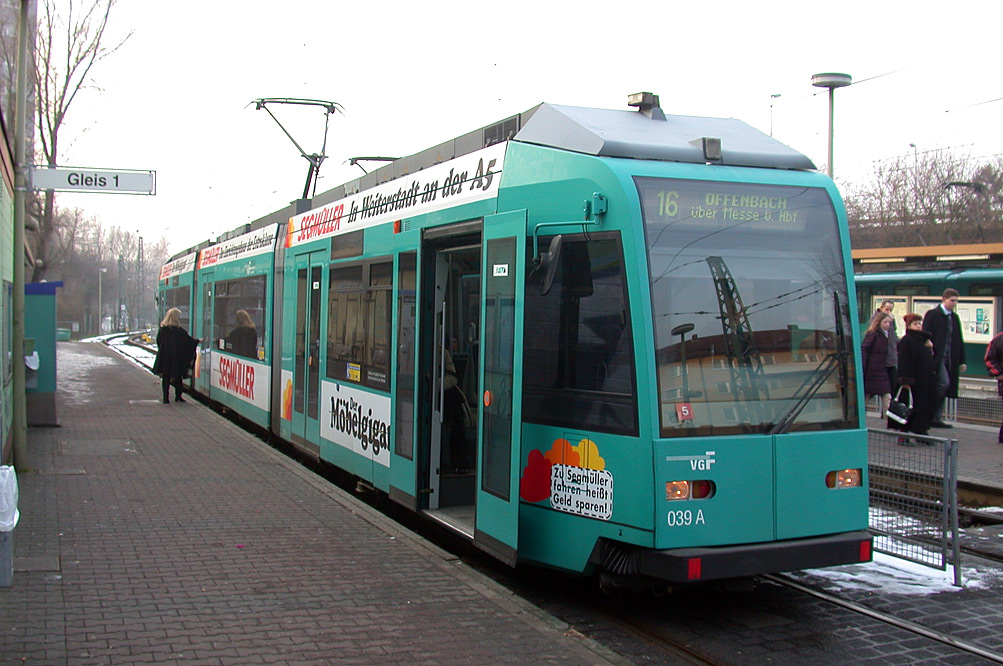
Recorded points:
(746, 283)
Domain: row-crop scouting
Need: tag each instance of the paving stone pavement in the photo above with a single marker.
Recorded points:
(163, 534)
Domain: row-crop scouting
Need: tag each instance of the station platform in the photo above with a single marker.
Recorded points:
(980, 458)
(155, 533)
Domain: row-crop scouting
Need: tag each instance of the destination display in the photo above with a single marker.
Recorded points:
(707, 204)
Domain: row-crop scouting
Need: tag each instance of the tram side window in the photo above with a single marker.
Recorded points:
(985, 290)
(239, 317)
(358, 324)
(578, 364)
(180, 298)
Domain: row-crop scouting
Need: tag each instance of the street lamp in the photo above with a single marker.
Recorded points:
(831, 80)
(101, 271)
(773, 98)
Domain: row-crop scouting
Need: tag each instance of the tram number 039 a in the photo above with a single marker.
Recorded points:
(685, 518)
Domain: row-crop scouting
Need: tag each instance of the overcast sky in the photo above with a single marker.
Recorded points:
(175, 98)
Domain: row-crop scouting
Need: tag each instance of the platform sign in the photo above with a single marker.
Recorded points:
(81, 179)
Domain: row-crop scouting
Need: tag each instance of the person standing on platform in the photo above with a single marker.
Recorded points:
(994, 363)
(892, 361)
(874, 354)
(175, 354)
(916, 372)
(944, 325)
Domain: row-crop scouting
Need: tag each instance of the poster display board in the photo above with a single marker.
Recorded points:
(978, 316)
(900, 308)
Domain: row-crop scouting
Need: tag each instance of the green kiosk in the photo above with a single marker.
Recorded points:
(40, 352)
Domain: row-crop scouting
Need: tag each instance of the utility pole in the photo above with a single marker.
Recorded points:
(25, 54)
(139, 285)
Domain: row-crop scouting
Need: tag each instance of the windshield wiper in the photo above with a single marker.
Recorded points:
(844, 372)
(818, 377)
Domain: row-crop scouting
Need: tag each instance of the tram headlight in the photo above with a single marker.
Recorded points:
(843, 478)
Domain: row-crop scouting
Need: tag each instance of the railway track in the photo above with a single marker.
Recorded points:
(887, 618)
(715, 627)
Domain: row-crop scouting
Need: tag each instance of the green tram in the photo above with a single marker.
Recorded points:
(980, 305)
(613, 342)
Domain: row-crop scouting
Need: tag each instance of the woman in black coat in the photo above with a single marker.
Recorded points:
(175, 354)
(874, 356)
(916, 371)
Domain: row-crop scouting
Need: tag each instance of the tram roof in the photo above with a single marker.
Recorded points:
(650, 135)
(656, 136)
(622, 133)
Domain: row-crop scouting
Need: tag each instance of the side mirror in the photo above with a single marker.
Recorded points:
(548, 262)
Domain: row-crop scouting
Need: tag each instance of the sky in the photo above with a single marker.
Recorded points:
(176, 97)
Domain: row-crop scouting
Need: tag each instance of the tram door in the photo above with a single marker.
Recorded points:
(500, 403)
(450, 380)
(308, 270)
(203, 377)
(470, 390)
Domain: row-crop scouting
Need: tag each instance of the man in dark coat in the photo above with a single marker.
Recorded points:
(175, 354)
(944, 326)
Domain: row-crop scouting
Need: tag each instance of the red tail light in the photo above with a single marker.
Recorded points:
(702, 489)
(693, 566)
(865, 551)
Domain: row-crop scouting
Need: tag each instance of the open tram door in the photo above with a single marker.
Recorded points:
(500, 406)
(471, 393)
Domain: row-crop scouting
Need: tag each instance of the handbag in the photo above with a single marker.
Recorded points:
(899, 411)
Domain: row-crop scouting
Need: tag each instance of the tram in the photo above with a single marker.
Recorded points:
(603, 341)
(980, 305)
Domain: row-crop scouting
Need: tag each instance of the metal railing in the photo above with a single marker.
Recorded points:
(914, 498)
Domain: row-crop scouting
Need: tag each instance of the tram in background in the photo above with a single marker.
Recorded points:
(980, 305)
(595, 340)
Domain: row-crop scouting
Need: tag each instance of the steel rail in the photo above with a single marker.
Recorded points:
(906, 625)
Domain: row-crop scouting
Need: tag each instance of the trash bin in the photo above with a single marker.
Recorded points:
(8, 519)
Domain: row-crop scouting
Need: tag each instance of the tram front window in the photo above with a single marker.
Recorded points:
(746, 281)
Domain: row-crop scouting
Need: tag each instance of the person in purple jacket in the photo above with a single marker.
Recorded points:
(994, 363)
(874, 357)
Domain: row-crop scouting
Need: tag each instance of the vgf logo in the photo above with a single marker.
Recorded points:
(701, 463)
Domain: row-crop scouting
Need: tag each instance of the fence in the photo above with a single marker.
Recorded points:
(914, 498)
(978, 402)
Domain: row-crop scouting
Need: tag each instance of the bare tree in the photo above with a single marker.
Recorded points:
(78, 254)
(10, 18)
(932, 198)
(67, 49)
